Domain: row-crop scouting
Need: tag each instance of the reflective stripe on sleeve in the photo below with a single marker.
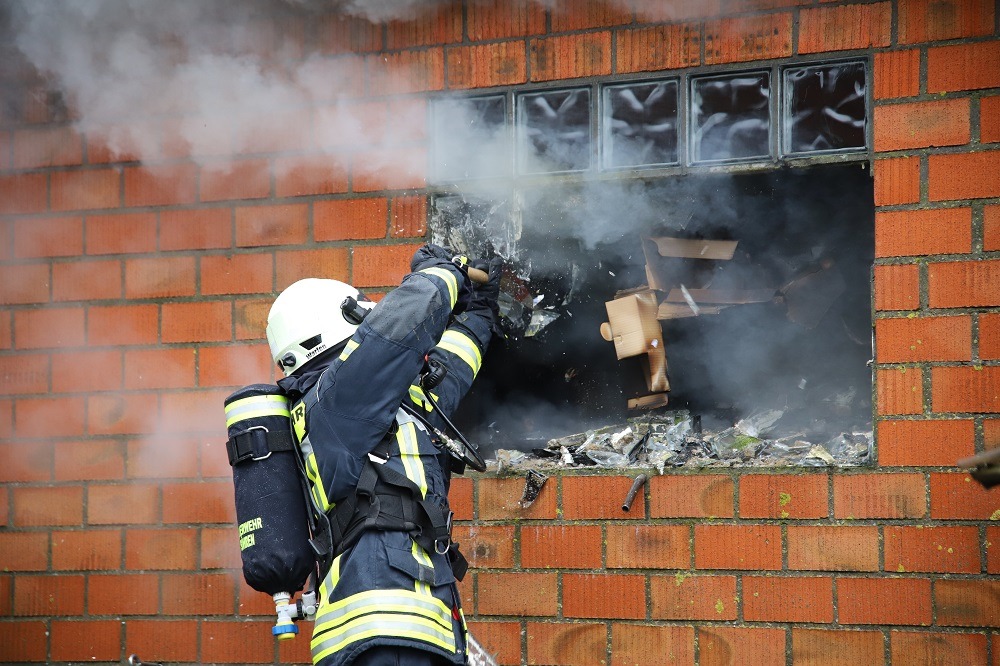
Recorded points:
(419, 398)
(256, 406)
(348, 349)
(463, 347)
(421, 556)
(449, 279)
(406, 437)
(316, 486)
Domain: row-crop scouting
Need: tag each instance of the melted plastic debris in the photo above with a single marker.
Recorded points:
(675, 439)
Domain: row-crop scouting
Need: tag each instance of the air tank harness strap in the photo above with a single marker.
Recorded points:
(258, 443)
(388, 501)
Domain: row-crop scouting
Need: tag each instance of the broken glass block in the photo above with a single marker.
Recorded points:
(824, 108)
(730, 117)
(470, 139)
(553, 129)
(640, 124)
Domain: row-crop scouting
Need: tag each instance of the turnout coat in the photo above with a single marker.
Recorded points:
(386, 589)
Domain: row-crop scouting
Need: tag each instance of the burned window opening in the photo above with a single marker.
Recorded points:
(772, 369)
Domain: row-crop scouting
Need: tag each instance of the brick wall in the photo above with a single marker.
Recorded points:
(133, 295)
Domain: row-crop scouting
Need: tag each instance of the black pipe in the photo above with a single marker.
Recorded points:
(633, 491)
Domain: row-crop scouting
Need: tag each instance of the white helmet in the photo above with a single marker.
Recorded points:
(311, 316)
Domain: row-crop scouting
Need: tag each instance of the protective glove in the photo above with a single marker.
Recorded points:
(484, 296)
(431, 255)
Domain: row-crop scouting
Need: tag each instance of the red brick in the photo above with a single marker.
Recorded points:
(932, 549)
(408, 218)
(596, 497)
(86, 550)
(86, 280)
(561, 546)
(633, 644)
(89, 640)
(958, 284)
(906, 340)
(993, 550)
(233, 366)
(25, 461)
(250, 602)
(5, 152)
(24, 373)
(898, 391)
(403, 168)
(49, 417)
(89, 460)
(897, 74)
(48, 328)
(691, 496)
(237, 274)
(160, 277)
(120, 414)
(338, 33)
(816, 646)
(24, 551)
(958, 497)
(568, 15)
(170, 640)
(498, 499)
(922, 124)
(912, 648)
(123, 594)
(116, 504)
(123, 325)
(604, 596)
(381, 265)
(22, 641)
(307, 175)
(989, 119)
(927, 443)
(160, 456)
(6, 332)
(24, 193)
(483, 66)
(199, 502)
(963, 67)
(500, 639)
(192, 412)
(523, 594)
(658, 48)
(349, 219)
(121, 233)
(368, 123)
(291, 266)
(214, 460)
(748, 38)
(576, 644)
(897, 181)
(879, 496)
(161, 185)
(965, 389)
(219, 548)
(486, 546)
(686, 597)
(209, 321)
(497, 19)
(989, 336)
(720, 646)
(48, 237)
(908, 233)
(47, 147)
(227, 641)
(282, 130)
(129, 141)
(963, 176)
(783, 496)
(160, 549)
(245, 179)
(42, 506)
(438, 24)
(845, 28)
(991, 227)
(744, 547)
(884, 601)
(967, 603)
(214, 593)
(991, 433)
(648, 547)
(204, 229)
(787, 599)
(833, 548)
(272, 225)
(159, 368)
(24, 283)
(570, 57)
(48, 595)
(86, 190)
(932, 20)
(405, 72)
(460, 498)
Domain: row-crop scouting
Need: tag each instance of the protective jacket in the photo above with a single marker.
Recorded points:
(386, 589)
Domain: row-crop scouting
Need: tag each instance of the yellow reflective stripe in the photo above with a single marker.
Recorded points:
(332, 578)
(299, 421)
(418, 397)
(381, 624)
(348, 349)
(404, 600)
(316, 488)
(449, 279)
(406, 436)
(463, 347)
(421, 556)
(255, 406)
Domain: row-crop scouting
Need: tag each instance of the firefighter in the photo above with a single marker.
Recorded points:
(378, 479)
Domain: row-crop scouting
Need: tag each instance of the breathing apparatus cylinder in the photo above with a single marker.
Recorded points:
(270, 502)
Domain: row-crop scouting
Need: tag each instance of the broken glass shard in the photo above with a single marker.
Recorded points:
(640, 124)
(553, 130)
(470, 139)
(730, 117)
(824, 108)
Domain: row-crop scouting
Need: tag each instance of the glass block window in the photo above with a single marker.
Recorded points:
(553, 130)
(824, 108)
(640, 124)
(730, 117)
(471, 138)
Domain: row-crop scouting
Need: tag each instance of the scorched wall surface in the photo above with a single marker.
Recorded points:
(133, 296)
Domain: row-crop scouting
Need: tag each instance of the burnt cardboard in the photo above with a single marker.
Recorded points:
(632, 325)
